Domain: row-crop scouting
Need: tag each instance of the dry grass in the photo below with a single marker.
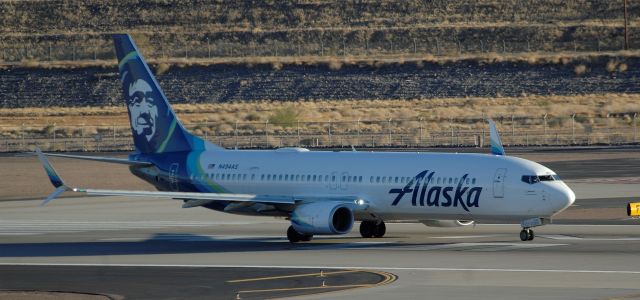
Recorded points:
(340, 110)
(162, 65)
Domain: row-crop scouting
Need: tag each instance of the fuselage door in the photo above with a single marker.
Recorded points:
(498, 183)
(173, 176)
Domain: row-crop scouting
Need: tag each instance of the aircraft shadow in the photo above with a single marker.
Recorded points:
(164, 243)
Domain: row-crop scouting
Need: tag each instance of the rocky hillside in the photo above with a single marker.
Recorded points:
(98, 86)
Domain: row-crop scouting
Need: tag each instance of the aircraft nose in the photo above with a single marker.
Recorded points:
(563, 198)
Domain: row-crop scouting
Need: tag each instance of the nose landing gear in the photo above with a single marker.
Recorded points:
(527, 234)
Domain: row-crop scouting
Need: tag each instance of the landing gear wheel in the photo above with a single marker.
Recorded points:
(367, 229)
(294, 236)
(306, 237)
(524, 235)
(380, 230)
(531, 235)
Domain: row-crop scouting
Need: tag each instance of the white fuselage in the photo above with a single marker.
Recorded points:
(395, 186)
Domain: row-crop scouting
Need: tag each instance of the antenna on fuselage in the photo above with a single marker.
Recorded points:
(496, 144)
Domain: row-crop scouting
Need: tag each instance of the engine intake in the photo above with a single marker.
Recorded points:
(322, 218)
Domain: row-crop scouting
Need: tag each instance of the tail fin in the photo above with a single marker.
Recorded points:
(154, 125)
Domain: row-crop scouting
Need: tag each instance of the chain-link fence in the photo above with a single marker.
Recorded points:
(453, 132)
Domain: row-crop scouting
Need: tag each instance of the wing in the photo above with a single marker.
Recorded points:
(191, 199)
(101, 159)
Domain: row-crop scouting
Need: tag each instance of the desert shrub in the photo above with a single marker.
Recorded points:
(285, 117)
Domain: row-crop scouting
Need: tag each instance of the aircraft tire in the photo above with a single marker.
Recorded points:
(524, 235)
(367, 229)
(531, 235)
(380, 230)
(307, 237)
(293, 235)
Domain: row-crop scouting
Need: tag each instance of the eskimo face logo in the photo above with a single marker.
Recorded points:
(142, 109)
(419, 187)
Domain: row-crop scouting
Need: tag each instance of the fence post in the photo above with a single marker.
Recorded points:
(358, 131)
(504, 46)
(415, 46)
(82, 137)
(321, 47)
(330, 139)
(23, 132)
(544, 120)
(635, 127)
(298, 131)
(481, 46)
(53, 146)
(266, 133)
(437, 47)
(451, 126)
(208, 48)
(528, 46)
(573, 129)
(389, 131)
(420, 140)
(49, 51)
(114, 136)
(513, 131)
(235, 132)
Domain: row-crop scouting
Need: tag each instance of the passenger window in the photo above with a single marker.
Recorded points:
(450, 180)
(377, 179)
(397, 179)
(308, 177)
(244, 177)
(384, 179)
(473, 181)
(456, 181)
(269, 177)
(253, 177)
(333, 178)
(371, 179)
(467, 181)
(360, 179)
(314, 178)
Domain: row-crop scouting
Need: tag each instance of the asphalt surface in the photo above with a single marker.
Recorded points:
(153, 249)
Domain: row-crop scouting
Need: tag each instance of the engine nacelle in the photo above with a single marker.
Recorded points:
(322, 218)
(446, 223)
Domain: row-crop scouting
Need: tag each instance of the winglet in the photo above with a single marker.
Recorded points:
(53, 177)
(496, 144)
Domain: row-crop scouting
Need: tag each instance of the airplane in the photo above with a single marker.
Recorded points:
(320, 192)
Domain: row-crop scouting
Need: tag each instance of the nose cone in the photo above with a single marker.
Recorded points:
(562, 198)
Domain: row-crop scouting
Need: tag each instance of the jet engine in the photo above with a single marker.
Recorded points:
(446, 223)
(322, 218)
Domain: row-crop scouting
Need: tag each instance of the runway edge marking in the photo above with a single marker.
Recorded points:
(332, 268)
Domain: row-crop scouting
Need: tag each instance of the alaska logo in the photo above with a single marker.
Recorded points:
(463, 196)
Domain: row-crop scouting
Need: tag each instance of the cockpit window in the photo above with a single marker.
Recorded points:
(532, 179)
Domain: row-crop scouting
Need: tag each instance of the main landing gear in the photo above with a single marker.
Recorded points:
(295, 236)
(526, 234)
(369, 229)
